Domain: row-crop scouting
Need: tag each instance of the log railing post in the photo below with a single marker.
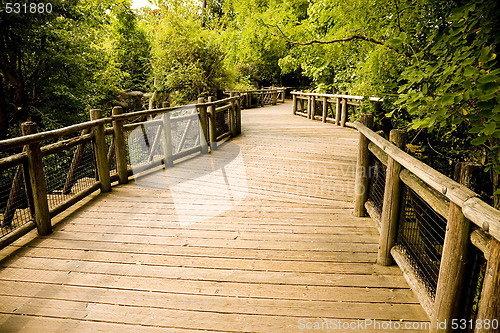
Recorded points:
(294, 104)
(308, 107)
(313, 106)
(337, 111)
(212, 124)
(325, 109)
(343, 117)
(167, 140)
(238, 115)
(275, 96)
(391, 204)
(232, 116)
(489, 306)
(362, 168)
(37, 182)
(453, 260)
(262, 98)
(202, 112)
(101, 151)
(120, 146)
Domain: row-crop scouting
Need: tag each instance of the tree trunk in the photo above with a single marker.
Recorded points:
(3, 113)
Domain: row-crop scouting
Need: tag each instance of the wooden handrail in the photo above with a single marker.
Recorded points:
(48, 135)
(373, 99)
(341, 102)
(476, 210)
(460, 206)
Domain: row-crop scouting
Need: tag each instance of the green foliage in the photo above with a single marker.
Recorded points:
(452, 85)
(131, 49)
(187, 61)
(248, 44)
(54, 66)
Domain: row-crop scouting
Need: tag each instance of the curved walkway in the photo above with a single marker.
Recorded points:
(256, 237)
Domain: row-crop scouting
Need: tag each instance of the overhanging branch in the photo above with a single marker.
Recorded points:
(332, 41)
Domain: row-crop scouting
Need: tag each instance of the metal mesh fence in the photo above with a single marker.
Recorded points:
(421, 233)
(14, 208)
(268, 98)
(144, 144)
(222, 122)
(280, 96)
(185, 134)
(475, 271)
(330, 110)
(376, 182)
(68, 172)
(110, 146)
(242, 98)
(317, 108)
(254, 100)
(302, 105)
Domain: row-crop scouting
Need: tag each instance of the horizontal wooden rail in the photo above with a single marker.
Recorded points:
(13, 160)
(373, 99)
(222, 108)
(65, 144)
(49, 135)
(148, 124)
(476, 210)
(151, 112)
(458, 205)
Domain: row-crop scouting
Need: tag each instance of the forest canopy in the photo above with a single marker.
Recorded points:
(434, 62)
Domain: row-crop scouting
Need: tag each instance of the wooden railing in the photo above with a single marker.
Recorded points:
(39, 182)
(328, 107)
(458, 206)
(409, 202)
(260, 97)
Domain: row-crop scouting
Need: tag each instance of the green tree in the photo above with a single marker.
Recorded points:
(131, 49)
(187, 60)
(54, 65)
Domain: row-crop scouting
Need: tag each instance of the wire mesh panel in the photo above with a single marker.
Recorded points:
(14, 208)
(330, 110)
(110, 147)
(185, 134)
(242, 98)
(302, 104)
(222, 122)
(68, 172)
(421, 233)
(280, 96)
(144, 143)
(268, 98)
(255, 100)
(317, 108)
(475, 271)
(376, 182)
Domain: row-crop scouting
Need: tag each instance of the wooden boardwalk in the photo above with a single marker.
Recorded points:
(282, 255)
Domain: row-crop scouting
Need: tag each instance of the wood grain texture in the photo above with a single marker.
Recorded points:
(290, 250)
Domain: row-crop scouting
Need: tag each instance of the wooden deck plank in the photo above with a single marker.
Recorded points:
(290, 250)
